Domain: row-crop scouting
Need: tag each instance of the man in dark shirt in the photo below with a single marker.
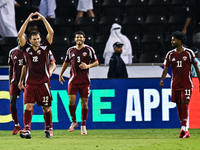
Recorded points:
(117, 68)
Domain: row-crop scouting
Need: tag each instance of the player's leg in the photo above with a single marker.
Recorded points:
(27, 121)
(51, 123)
(72, 91)
(72, 110)
(185, 98)
(84, 104)
(47, 112)
(29, 100)
(13, 110)
(84, 93)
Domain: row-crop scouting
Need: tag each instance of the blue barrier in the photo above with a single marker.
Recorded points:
(113, 104)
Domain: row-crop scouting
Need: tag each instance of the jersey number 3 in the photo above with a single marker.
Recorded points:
(78, 59)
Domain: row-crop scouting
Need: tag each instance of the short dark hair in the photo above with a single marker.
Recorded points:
(79, 32)
(180, 36)
(32, 33)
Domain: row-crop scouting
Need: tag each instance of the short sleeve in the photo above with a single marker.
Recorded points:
(93, 56)
(167, 61)
(67, 58)
(51, 57)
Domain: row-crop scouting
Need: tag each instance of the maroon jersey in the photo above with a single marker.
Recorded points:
(37, 63)
(16, 61)
(181, 68)
(75, 56)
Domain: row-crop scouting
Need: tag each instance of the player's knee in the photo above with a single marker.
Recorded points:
(28, 106)
(12, 103)
(46, 109)
(13, 100)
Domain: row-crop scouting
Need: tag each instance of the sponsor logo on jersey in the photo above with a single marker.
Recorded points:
(73, 55)
(173, 59)
(84, 54)
(15, 57)
(184, 58)
(39, 52)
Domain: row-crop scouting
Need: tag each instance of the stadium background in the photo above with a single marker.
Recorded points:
(110, 100)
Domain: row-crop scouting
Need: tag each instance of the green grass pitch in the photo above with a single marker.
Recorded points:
(129, 139)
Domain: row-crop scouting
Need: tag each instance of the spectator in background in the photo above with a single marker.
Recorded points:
(47, 9)
(117, 36)
(7, 18)
(189, 13)
(117, 67)
(84, 6)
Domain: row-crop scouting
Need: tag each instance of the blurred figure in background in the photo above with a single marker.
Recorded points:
(7, 18)
(117, 67)
(117, 36)
(84, 6)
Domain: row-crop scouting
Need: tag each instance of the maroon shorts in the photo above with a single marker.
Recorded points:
(39, 93)
(14, 90)
(82, 88)
(178, 95)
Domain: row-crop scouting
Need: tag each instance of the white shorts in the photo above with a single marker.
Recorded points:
(85, 5)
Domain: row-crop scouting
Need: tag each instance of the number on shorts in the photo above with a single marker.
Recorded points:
(187, 91)
(45, 99)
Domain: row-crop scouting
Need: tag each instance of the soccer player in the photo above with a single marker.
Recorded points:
(181, 59)
(36, 73)
(82, 57)
(15, 62)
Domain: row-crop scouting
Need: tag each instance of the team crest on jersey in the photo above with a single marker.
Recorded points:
(39, 52)
(84, 54)
(184, 58)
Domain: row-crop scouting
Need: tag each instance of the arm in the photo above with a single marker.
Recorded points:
(48, 27)
(112, 68)
(188, 20)
(22, 77)
(10, 73)
(85, 66)
(64, 67)
(21, 38)
(53, 67)
(164, 73)
(197, 71)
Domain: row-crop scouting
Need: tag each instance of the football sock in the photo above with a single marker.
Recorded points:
(72, 110)
(184, 108)
(179, 109)
(13, 110)
(51, 123)
(84, 116)
(27, 119)
(47, 120)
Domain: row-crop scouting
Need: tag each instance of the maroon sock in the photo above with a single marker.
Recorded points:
(72, 110)
(13, 110)
(184, 108)
(47, 120)
(44, 119)
(179, 109)
(84, 116)
(51, 123)
(27, 119)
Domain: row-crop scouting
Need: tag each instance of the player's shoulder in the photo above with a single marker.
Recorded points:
(88, 47)
(13, 50)
(188, 50)
(171, 52)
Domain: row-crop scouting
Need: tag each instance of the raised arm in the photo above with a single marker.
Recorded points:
(64, 67)
(48, 27)
(22, 39)
(164, 73)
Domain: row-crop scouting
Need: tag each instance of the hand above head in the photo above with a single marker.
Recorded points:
(40, 17)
